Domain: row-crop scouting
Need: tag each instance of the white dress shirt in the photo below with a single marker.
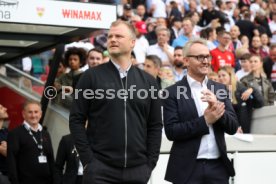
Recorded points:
(157, 50)
(160, 9)
(208, 147)
(272, 26)
(140, 49)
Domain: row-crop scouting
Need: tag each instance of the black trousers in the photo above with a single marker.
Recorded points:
(209, 172)
(79, 179)
(98, 172)
(4, 179)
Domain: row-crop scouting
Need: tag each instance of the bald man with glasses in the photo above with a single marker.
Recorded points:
(197, 113)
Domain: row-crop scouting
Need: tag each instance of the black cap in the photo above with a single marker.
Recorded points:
(127, 7)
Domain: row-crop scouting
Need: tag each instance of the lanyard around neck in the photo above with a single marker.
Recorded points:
(39, 145)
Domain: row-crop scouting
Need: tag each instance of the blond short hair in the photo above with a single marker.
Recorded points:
(130, 27)
(186, 48)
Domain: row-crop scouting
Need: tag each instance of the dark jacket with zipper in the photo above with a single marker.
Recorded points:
(122, 132)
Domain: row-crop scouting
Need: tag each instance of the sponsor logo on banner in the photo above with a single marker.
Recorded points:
(58, 13)
(81, 14)
(6, 6)
(40, 11)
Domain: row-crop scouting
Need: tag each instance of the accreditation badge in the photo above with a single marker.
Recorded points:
(42, 159)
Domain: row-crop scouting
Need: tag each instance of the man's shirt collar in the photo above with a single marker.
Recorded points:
(123, 73)
(193, 82)
(28, 127)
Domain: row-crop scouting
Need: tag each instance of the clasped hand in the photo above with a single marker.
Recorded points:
(215, 109)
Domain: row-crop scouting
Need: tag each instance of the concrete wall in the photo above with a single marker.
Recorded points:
(56, 119)
(57, 123)
(264, 120)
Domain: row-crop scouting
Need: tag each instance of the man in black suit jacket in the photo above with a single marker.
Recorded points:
(196, 120)
(67, 154)
(30, 156)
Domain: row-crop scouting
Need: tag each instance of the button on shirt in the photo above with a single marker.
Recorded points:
(208, 147)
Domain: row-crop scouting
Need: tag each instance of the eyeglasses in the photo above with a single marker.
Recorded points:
(201, 58)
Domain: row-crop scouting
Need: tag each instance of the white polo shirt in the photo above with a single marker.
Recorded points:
(157, 50)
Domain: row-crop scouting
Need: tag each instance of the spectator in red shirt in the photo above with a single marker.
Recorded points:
(221, 56)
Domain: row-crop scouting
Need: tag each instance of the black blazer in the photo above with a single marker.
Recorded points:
(65, 154)
(185, 129)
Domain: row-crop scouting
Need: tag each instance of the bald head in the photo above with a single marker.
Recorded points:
(235, 32)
